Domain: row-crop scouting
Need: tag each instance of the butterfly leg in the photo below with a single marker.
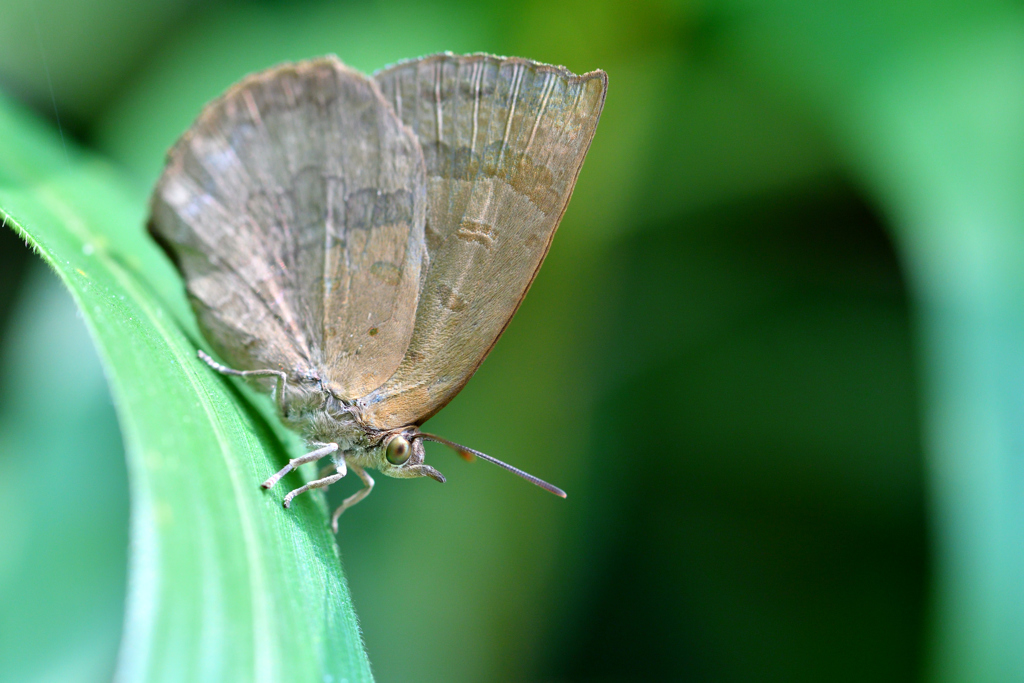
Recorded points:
(339, 466)
(326, 449)
(317, 484)
(278, 393)
(355, 497)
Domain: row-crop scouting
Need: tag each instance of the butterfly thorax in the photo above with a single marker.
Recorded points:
(321, 417)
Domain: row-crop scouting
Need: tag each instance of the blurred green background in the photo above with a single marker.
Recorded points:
(775, 356)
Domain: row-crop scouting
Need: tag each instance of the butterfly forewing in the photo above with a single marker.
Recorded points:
(503, 141)
(295, 208)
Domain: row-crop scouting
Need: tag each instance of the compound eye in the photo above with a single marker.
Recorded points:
(398, 451)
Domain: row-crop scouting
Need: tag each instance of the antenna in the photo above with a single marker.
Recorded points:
(468, 452)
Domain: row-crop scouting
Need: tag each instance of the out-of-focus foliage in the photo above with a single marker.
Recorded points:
(776, 354)
(63, 495)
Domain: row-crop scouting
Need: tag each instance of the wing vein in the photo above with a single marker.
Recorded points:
(549, 82)
(438, 70)
(478, 72)
(517, 80)
(288, 326)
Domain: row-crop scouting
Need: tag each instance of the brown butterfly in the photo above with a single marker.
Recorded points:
(363, 242)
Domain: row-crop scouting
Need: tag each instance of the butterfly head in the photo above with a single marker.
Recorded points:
(401, 455)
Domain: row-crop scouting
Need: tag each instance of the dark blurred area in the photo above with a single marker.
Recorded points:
(750, 324)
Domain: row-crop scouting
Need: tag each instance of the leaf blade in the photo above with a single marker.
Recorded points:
(223, 583)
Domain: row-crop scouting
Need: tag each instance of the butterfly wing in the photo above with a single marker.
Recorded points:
(503, 140)
(294, 207)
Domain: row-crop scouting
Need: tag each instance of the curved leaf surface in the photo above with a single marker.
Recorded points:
(223, 583)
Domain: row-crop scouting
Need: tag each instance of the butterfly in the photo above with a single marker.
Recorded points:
(356, 245)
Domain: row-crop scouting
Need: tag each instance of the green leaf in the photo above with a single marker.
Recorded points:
(224, 584)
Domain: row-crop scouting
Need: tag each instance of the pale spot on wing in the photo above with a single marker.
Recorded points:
(476, 231)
